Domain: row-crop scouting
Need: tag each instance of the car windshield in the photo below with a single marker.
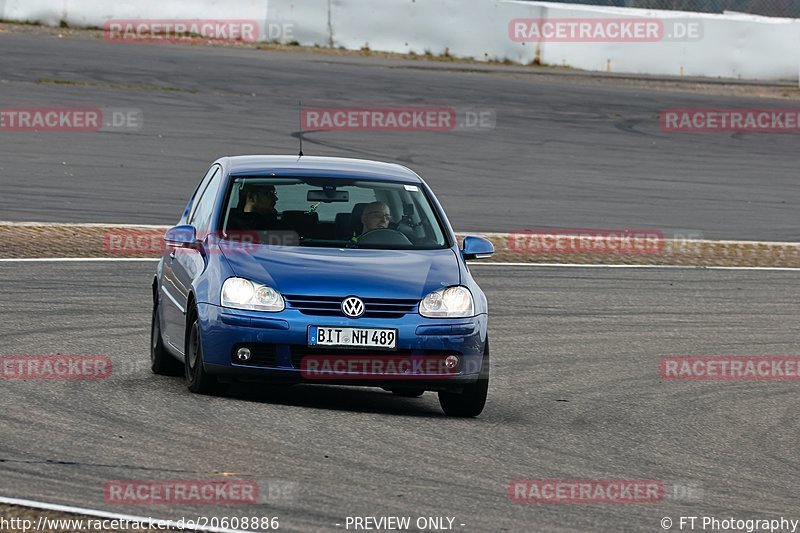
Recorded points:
(332, 212)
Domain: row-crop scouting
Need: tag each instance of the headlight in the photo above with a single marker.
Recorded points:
(452, 302)
(240, 293)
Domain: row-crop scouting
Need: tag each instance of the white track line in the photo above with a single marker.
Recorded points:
(471, 263)
(73, 259)
(105, 514)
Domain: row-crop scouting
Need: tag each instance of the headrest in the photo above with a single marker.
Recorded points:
(355, 217)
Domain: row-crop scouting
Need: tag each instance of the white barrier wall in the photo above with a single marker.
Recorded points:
(309, 19)
(732, 45)
(477, 29)
(96, 12)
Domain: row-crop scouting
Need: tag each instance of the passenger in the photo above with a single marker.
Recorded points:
(376, 216)
(260, 199)
(256, 210)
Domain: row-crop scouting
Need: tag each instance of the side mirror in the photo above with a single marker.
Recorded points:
(477, 248)
(183, 236)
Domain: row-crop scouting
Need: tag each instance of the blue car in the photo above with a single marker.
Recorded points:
(287, 269)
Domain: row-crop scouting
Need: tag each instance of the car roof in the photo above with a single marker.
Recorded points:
(319, 166)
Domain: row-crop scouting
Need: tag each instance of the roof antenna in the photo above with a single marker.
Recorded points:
(300, 118)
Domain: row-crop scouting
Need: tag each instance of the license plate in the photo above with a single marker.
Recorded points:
(352, 337)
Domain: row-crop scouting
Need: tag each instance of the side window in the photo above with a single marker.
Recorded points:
(204, 209)
(210, 173)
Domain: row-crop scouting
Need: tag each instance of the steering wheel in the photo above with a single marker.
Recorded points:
(385, 236)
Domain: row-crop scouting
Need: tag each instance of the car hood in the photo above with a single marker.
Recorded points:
(342, 272)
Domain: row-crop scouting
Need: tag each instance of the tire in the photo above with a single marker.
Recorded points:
(408, 393)
(471, 401)
(161, 362)
(197, 380)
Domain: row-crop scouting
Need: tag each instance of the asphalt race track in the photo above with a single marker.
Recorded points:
(561, 155)
(575, 393)
(576, 390)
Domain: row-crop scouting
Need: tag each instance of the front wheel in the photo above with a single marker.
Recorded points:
(472, 399)
(197, 379)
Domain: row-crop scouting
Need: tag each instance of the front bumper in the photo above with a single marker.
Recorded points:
(281, 341)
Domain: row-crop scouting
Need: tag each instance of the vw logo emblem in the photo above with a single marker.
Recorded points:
(353, 307)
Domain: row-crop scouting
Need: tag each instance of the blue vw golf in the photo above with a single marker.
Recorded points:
(288, 269)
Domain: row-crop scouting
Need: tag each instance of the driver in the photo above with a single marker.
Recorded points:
(376, 216)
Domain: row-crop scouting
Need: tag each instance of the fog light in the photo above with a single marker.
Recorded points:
(451, 362)
(243, 354)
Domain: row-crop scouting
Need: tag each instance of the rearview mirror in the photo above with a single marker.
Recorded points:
(183, 236)
(326, 196)
(477, 248)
